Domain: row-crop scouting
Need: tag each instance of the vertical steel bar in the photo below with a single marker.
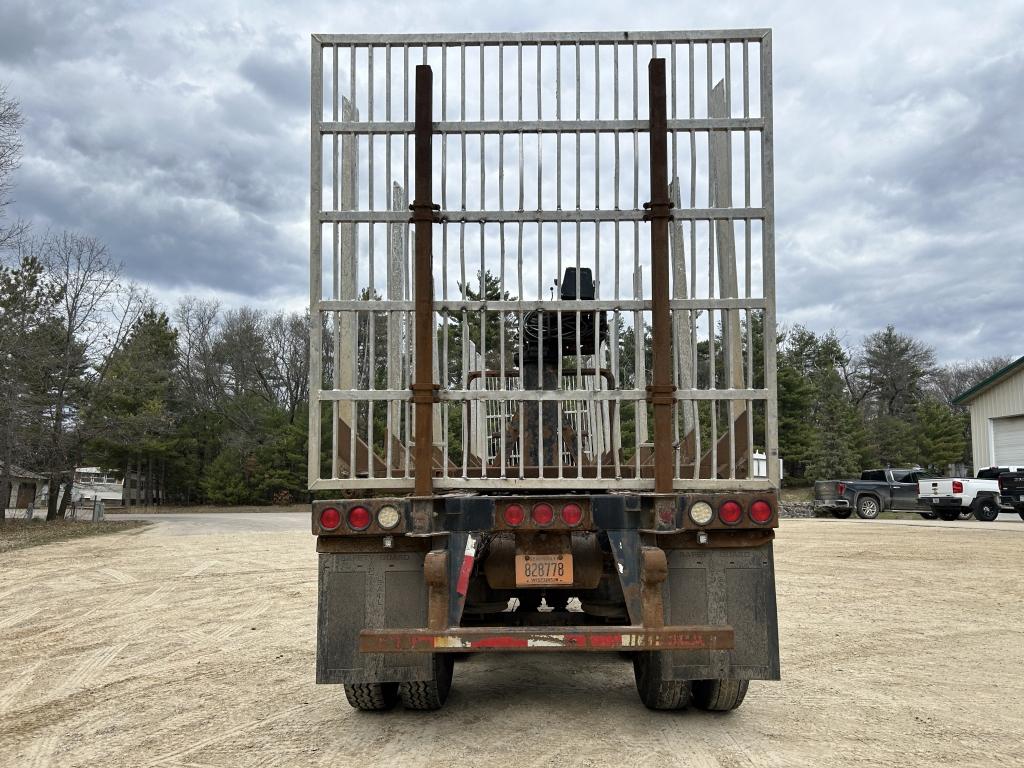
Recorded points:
(768, 265)
(661, 390)
(316, 116)
(423, 215)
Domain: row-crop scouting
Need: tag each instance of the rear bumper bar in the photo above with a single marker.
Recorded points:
(475, 639)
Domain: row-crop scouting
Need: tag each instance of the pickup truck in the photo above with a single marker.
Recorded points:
(878, 490)
(953, 497)
(1011, 490)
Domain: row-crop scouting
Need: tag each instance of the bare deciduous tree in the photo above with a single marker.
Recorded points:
(10, 157)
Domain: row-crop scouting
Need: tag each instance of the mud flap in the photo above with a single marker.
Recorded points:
(369, 591)
(725, 586)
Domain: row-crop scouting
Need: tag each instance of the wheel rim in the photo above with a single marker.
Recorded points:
(869, 508)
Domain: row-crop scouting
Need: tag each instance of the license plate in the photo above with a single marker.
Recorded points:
(543, 570)
(935, 500)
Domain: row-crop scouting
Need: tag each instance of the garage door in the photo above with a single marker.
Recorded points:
(1008, 440)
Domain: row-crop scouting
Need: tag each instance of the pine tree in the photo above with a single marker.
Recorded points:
(940, 435)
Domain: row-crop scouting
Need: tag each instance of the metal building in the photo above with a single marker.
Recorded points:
(997, 417)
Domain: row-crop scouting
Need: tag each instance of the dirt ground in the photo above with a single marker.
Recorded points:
(901, 646)
(19, 533)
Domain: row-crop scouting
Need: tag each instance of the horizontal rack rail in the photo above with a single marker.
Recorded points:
(565, 127)
(526, 38)
(540, 395)
(541, 216)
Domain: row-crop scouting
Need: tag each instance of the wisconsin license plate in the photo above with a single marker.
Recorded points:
(543, 570)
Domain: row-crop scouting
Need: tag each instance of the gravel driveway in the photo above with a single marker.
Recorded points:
(188, 646)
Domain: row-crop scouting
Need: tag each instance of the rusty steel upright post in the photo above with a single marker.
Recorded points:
(423, 388)
(661, 392)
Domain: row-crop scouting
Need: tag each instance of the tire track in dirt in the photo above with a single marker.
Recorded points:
(41, 753)
(18, 618)
(193, 572)
(9, 693)
(119, 576)
(224, 735)
(91, 668)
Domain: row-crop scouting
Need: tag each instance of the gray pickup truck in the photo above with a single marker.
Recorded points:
(878, 490)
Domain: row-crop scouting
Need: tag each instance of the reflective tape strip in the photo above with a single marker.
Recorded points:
(467, 566)
(496, 639)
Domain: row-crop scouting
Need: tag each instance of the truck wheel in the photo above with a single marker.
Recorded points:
(867, 508)
(372, 697)
(719, 695)
(656, 692)
(1020, 511)
(842, 512)
(985, 509)
(929, 515)
(429, 694)
(949, 515)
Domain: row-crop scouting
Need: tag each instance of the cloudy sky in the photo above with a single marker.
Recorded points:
(178, 133)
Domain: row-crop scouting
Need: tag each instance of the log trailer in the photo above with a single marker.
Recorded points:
(537, 391)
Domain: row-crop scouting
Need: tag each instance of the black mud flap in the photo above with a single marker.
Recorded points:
(725, 586)
(369, 591)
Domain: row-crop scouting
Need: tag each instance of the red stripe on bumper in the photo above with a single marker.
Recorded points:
(471, 639)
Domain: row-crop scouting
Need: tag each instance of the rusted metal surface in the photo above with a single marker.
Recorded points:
(717, 539)
(662, 391)
(653, 572)
(598, 639)
(343, 545)
(423, 387)
(435, 573)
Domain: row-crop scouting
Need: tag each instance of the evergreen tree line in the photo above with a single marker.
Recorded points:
(885, 402)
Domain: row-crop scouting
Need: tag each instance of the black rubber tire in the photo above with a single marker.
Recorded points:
(655, 692)
(949, 515)
(842, 512)
(985, 509)
(1021, 513)
(372, 697)
(429, 694)
(868, 507)
(929, 515)
(719, 695)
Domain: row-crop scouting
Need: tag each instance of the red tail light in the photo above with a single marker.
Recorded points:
(840, 489)
(572, 514)
(761, 512)
(543, 513)
(514, 514)
(730, 512)
(330, 518)
(1002, 487)
(359, 518)
(958, 487)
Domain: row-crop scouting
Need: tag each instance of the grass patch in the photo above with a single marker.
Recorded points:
(20, 534)
(805, 493)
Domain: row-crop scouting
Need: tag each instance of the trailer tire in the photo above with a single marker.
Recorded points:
(429, 694)
(719, 695)
(868, 508)
(656, 692)
(372, 697)
(985, 509)
(842, 512)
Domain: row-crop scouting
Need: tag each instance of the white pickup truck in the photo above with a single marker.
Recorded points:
(951, 497)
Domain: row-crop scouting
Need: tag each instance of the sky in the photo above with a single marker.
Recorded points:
(178, 134)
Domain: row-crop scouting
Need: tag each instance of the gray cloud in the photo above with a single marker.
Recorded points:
(179, 136)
